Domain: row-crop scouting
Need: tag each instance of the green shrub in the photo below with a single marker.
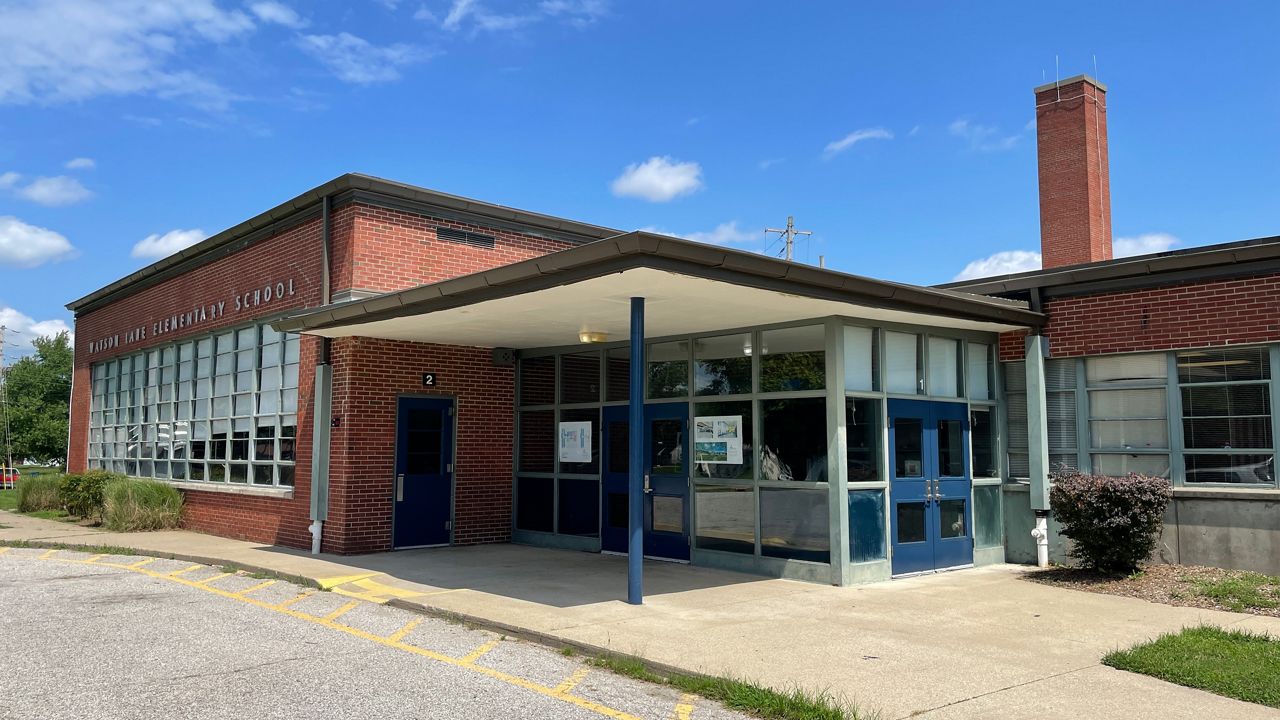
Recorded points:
(81, 493)
(39, 492)
(1113, 522)
(130, 505)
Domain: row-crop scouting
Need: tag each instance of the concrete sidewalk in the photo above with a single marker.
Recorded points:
(972, 644)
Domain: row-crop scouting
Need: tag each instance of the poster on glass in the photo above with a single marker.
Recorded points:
(717, 440)
(575, 442)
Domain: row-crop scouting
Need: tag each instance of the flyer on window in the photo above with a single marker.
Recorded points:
(575, 442)
(717, 440)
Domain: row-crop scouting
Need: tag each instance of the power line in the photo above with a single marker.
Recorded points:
(789, 236)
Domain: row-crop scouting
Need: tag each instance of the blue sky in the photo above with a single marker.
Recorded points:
(899, 133)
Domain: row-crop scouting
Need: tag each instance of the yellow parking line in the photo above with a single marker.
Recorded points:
(259, 586)
(211, 578)
(400, 634)
(47, 554)
(330, 583)
(183, 571)
(341, 611)
(96, 558)
(479, 652)
(499, 675)
(142, 563)
(684, 708)
(287, 603)
(572, 681)
(4, 549)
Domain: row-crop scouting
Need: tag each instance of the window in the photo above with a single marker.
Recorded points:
(1128, 415)
(793, 359)
(862, 430)
(580, 377)
(726, 518)
(722, 365)
(795, 440)
(981, 365)
(727, 471)
(1060, 412)
(1226, 415)
(861, 366)
(944, 367)
(983, 437)
(795, 524)
(668, 369)
(217, 408)
(903, 363)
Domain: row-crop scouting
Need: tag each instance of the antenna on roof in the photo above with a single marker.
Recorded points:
(789, 236)
(1095, 67)
(1057, 78)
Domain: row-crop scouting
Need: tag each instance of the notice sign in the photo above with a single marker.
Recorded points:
(717, 440)
(575, 442)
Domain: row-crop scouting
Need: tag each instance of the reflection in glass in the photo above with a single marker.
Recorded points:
(668, 514)
(908, 445)
(983, 437)
(667, 369)
(1117, 465)
(795, 440)
(794, 524)
(722, 365)
(725, 518)
(1231, 468)
(793, 359)
(866, 525)
(951, 448)
(911, 522)
(862, 424)
(986, 516)
(952, 520)
(666, 447)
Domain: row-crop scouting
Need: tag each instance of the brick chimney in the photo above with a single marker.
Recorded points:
(1075, 185)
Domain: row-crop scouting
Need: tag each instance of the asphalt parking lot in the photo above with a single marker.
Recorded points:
(110, 636)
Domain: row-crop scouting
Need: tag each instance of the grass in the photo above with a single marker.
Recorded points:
(131, 505)
(91, 549)
(8, 499)
(50, 515)
(1243, 592)
(1240, 665)
(795, 704)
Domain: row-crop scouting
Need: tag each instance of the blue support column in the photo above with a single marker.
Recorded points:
(635, 479)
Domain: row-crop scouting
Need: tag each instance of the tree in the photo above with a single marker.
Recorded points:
(39, 395)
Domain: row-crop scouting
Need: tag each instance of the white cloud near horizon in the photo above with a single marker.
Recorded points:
(355, 60)
(80, 163)
(478, 17)
(658, 179)
(156, 245)
(269, 11)
(26, 246)
(836, 147)
(21, 328)
(1007, 262)
(983, 138)
(49, 191)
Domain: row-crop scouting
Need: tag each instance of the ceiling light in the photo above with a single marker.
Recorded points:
(590, 336)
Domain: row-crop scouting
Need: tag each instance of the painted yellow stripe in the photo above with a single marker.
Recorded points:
(47, 554)
(333, 582)
(572, 681)
(684, 708)
(96, 558)
(400, 634)
(183, 571)
(209, 579)
(520, 682)
(5, 549)
(341, 611)
(259, 586)
(480, 652)
(300, 598)
(142, 563)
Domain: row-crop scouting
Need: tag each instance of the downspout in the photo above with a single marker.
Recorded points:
(1037, 433)
(322, 405)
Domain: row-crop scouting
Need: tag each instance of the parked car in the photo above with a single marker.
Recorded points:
(9, 477)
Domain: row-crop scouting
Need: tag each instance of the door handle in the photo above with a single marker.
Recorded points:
(399, 488)
(647, 487)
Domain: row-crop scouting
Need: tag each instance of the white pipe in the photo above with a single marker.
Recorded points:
(1041, 534)
(316, 528)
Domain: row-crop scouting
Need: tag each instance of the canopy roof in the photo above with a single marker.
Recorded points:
(689, 287)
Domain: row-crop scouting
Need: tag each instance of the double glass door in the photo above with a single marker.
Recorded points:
(666, 493)
(930, 486)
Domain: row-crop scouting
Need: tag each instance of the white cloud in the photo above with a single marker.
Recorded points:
(578, 13)
(9, 180)
(71, 50)
(27, 246)
(770, 162)
(54, 191)
(21, 328)
(355, 60)
(983, 138)
(81, 163)
(157, 246)
(727, 233)
(658, 179)
(478, 17)
(836, 147)
(270, 11)
(424, 13)
(1143, 244)
(1004, 262)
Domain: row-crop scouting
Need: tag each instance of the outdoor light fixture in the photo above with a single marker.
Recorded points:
(589, 336)
(746, 347)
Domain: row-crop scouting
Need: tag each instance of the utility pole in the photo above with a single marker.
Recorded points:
(4, 401)
(789, 236)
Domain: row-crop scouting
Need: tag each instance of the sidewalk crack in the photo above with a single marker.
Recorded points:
(918, 713)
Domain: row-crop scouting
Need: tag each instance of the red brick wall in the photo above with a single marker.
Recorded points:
(369, 377)
(1189, 315)
(1075, 185)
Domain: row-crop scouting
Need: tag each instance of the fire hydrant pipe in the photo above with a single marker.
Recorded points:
(316, 529)
(1041, 535)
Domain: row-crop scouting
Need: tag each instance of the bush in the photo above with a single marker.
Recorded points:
(39, 492)
(1113, 522)
(130, 505)
(81, 493)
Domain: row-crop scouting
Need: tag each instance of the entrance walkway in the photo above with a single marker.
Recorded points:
(972, 644)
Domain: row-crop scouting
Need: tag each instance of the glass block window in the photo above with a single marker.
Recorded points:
(1128, 415)
(1226, 415)
(219, 408)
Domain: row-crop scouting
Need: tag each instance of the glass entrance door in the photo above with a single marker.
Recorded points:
(666, 495)
(930, 486)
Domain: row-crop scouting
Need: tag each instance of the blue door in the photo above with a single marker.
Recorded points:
(666, 495)
(930, 517)
(423, 493)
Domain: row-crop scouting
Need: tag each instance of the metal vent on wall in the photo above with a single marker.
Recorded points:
(465, 237)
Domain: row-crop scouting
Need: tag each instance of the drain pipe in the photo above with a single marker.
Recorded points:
(1041, 535)
(322, 404)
